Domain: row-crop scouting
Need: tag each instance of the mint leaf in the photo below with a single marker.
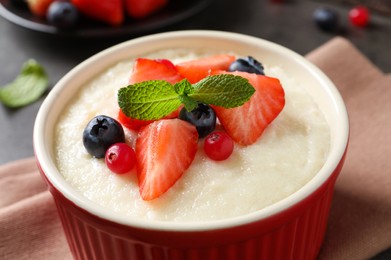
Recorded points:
(183, 89)
(225, 90)
(28, 86)
(148, 100)
(189, 103)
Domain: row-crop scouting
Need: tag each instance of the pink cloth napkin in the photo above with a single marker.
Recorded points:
(29, 225)
(360, 221)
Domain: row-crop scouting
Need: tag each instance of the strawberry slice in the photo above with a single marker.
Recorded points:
(110, 12)
(138, 9)
(245, 124)
(136, 124)
(39, 7)
(147, 69)
(195, 70)
(131, 123)
(164, 150)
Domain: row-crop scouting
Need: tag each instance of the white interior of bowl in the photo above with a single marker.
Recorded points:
(317, 84)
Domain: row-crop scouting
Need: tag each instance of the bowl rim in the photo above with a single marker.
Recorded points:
(50, 171)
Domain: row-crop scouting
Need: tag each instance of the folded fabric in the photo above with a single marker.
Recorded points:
(360, 220)
(29, 224)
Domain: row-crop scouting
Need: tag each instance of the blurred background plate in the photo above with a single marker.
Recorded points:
(175, 11)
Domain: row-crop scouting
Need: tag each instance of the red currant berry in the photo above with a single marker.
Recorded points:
(359, 16)
(218, 146)
(120, 158)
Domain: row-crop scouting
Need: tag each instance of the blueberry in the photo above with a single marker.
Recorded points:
(326, 19)
(62, 14)
(203, 118)
(247, 64)
(100, 133)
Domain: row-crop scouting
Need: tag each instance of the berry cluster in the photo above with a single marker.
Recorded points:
(65, 14)
(327, 19)
(104, 137)
(165, 148)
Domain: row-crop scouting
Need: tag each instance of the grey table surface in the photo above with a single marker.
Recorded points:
(288, 23)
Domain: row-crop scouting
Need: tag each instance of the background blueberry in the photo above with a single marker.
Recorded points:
(62, 14)
(326, 19)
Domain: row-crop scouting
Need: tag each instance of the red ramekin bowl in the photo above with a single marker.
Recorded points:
(292, 228)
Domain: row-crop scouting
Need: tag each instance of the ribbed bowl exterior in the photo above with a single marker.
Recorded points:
(296, 233)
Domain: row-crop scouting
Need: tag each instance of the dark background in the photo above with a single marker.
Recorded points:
(288, 23)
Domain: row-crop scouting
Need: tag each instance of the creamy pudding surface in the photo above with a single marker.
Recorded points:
(289, 153)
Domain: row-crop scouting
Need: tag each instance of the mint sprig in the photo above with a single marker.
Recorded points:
(27, 87)
(151, 100)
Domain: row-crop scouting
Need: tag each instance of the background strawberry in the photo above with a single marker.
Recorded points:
(142, 8)
(39, 7)
(110, 12)
(164, 150)
(245, 124)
